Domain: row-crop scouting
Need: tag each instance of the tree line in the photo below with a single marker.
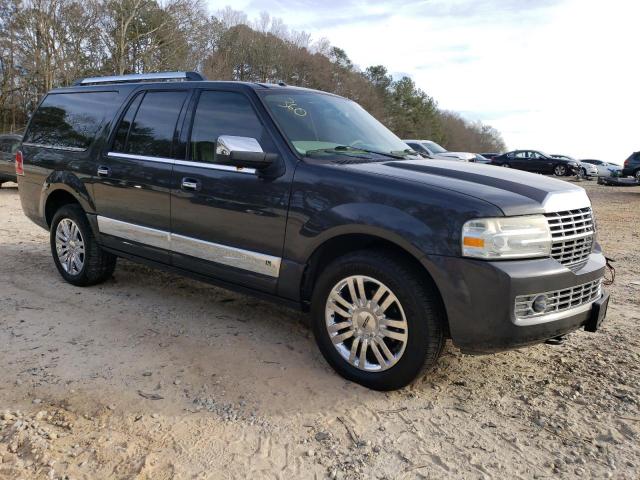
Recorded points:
(50, 43)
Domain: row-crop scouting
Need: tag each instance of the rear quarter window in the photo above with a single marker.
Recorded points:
(71, 120)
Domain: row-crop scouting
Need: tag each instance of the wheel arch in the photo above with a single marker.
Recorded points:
(344, 243)
(63, 188)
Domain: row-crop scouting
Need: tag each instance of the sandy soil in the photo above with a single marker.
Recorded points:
(154, 376)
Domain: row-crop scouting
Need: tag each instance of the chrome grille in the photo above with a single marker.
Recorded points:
(559, 300)
(572, 236)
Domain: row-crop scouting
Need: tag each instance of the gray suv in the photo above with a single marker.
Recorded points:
(8, 147)
(302, 197)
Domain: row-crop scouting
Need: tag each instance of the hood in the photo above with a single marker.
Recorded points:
(512, 191)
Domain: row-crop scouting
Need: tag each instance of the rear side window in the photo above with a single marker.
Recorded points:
(151, 131)
(224, 113)
(70, 120)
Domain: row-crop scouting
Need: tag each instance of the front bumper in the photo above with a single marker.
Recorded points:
(479, 298)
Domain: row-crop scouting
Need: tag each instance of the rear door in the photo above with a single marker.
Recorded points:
(133, 177)
(520, 160)
(228, 223)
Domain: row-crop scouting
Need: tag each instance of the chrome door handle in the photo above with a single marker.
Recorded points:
(104, 171)
(190, 184)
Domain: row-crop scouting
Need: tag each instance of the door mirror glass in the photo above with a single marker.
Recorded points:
(242, 152)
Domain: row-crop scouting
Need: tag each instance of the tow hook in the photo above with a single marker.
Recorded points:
(559, 340)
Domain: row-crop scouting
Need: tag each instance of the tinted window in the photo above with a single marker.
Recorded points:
(125, 125)
(151, 132)
(224, 113)
(71, 120)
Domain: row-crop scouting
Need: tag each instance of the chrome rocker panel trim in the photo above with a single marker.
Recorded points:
(213, 252)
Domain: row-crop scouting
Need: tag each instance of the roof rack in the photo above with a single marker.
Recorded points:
(142, 77)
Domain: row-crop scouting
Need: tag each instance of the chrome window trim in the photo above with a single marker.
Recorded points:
(183, 163)
(54, 147)
(216, 166)
(145, 158)
(256, 262)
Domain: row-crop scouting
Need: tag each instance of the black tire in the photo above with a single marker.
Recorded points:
(505, 165)
(98, 265)
(420, 302)
(637, 175)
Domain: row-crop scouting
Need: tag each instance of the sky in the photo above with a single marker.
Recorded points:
(561, 76)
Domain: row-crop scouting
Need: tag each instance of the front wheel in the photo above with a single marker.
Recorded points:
(377, 320)
(560, 170)
(76, 254)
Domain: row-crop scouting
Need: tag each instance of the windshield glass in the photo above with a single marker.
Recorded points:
(433, 147)
(315, 121)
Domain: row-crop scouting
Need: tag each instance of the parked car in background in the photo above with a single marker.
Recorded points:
(587, 170)
(436, 151)
(490, 156)
(302, 197)
(604, 169)
(631, 166)
(8, 147)
(481, 159)
(537, 162)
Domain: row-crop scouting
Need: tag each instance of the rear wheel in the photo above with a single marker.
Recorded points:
(76, 254)
(376, 320)
(506, 165)
(560, 170)
(637, 175)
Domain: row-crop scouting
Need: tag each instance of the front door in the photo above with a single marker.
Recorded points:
(228, 223)
(133, 177)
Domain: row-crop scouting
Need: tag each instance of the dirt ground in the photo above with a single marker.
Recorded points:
(153, 376)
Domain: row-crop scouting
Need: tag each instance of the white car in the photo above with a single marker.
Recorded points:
(604, 169)
(588, 170)
(433, 150)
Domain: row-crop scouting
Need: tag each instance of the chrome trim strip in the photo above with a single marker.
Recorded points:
(552, 317)
(184, 163)
(216, 166)
(135, 233)
(141, 157)
(222, 254)
(569, 200)
(55, 147)
(213, 252)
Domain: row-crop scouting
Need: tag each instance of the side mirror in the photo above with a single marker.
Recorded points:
(242, 152)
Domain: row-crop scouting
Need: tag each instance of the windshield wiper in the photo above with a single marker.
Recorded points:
(348, 148)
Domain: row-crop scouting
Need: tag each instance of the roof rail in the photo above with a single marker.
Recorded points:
(142, 77)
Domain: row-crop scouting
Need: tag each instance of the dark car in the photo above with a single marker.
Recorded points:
(631, 167)
(302, 197)
(537, 162)
(8, 147)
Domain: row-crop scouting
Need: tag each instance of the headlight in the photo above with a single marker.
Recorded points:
(507, 237)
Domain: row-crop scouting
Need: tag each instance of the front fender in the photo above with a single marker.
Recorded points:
(366, 218)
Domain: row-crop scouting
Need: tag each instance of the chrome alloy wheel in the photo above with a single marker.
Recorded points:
(70, 246)
(366, 323)
(560, 170)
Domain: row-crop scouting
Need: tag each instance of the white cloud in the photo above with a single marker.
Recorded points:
(556, 75)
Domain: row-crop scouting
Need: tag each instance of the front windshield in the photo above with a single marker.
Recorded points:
(433, 147)
(315, 121)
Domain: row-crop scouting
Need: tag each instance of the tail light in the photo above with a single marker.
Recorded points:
(627, 162)
(19, 163)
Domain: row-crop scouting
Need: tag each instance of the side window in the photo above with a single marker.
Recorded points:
(224, 113)
(151, 131)
(13, 146)
(125, 125)
(71, 120)
(521, 155)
